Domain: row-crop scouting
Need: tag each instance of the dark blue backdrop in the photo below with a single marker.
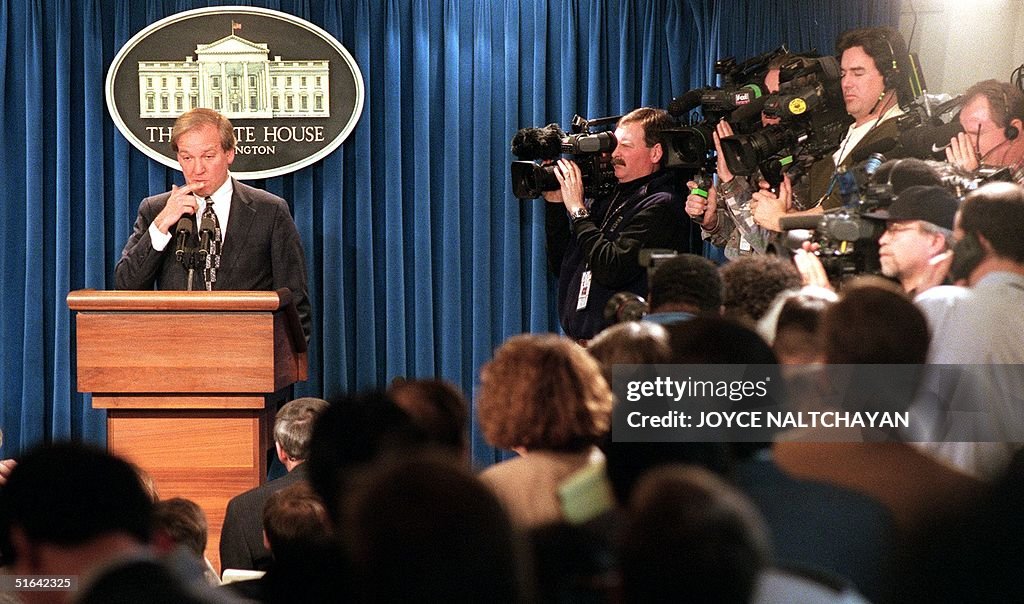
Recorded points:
(420, 260)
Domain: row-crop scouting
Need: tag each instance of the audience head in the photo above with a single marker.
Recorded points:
(424, 529)
(294, 521)
(991, 221)
(630, 343)
(542, 391)
(686, 283)
(791, 324)
(179, 522)
(66, 496)
(906, 172)
(872, 325)
(717, 341)
(691, 538)
(751, 283)
(148, 484)
(438, 408)
(354, 431)
(293, 426)
(627, 462)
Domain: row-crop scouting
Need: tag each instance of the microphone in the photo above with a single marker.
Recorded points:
(749, 111)
(685, 102)
(788, 223)
(182, 232)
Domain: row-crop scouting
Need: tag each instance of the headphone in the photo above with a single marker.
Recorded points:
(1010, 132)
(893, 70)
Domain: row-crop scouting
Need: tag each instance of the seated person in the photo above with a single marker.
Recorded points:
(544, 397)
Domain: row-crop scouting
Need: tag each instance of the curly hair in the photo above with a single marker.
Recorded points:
(686, 279)
(751, 283)
(542, 391)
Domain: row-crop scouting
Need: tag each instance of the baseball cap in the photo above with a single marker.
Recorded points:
(936, 205)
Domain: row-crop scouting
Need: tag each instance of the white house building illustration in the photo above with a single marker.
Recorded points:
(237, 78)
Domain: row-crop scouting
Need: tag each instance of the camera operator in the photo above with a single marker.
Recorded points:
(594, 247)
(915, 247)
(725, 215)
(992, 118)
(872, 84)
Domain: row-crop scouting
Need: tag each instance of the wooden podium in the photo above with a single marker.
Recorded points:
(183, 377)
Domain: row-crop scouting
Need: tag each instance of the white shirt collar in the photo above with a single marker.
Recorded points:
(222, 195)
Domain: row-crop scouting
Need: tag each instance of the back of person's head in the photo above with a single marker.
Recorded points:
(686, 282)
(295, 521)
(437, 407)
(907, 172)
(796, 330)
(353, 431)
(627, 462)
(873, 325)
(717, 341)
(887, 49)
(751, 283)
(690, 537)
(68, 494)
(995, 211)
(293, 425)
(630, 343)
(180, 522)
(424, 529)
(542, 391)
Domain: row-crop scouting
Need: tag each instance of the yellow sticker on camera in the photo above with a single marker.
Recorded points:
(797, 106)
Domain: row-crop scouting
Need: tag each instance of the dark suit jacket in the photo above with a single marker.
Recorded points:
(261, 251)
(241, 539)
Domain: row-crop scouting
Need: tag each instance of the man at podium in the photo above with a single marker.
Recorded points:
(214, 232)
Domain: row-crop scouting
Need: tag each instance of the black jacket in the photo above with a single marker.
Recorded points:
(644, 213)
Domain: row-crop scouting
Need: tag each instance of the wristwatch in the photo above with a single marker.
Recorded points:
(579, 213)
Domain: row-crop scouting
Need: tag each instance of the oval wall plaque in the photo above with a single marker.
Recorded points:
(291, 90)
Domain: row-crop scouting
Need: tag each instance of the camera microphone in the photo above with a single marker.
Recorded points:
(748, 112)
(186, 224)
(685, 102)
(538, 143)
(789, 223)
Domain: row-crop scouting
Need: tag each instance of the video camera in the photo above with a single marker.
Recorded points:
(739, 101)
(813, 121)
(847, 239)
(590, 146)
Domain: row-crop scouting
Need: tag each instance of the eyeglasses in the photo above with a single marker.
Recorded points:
(895, 228)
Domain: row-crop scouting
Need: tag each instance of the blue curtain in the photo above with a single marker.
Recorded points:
(420, 260)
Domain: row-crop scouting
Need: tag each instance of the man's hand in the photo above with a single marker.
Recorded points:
(180, 203)
(722, 130)
(812, 271)
(6, 467)
(571, 181)
(767, 208)
(703, 209)
(960, 153)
